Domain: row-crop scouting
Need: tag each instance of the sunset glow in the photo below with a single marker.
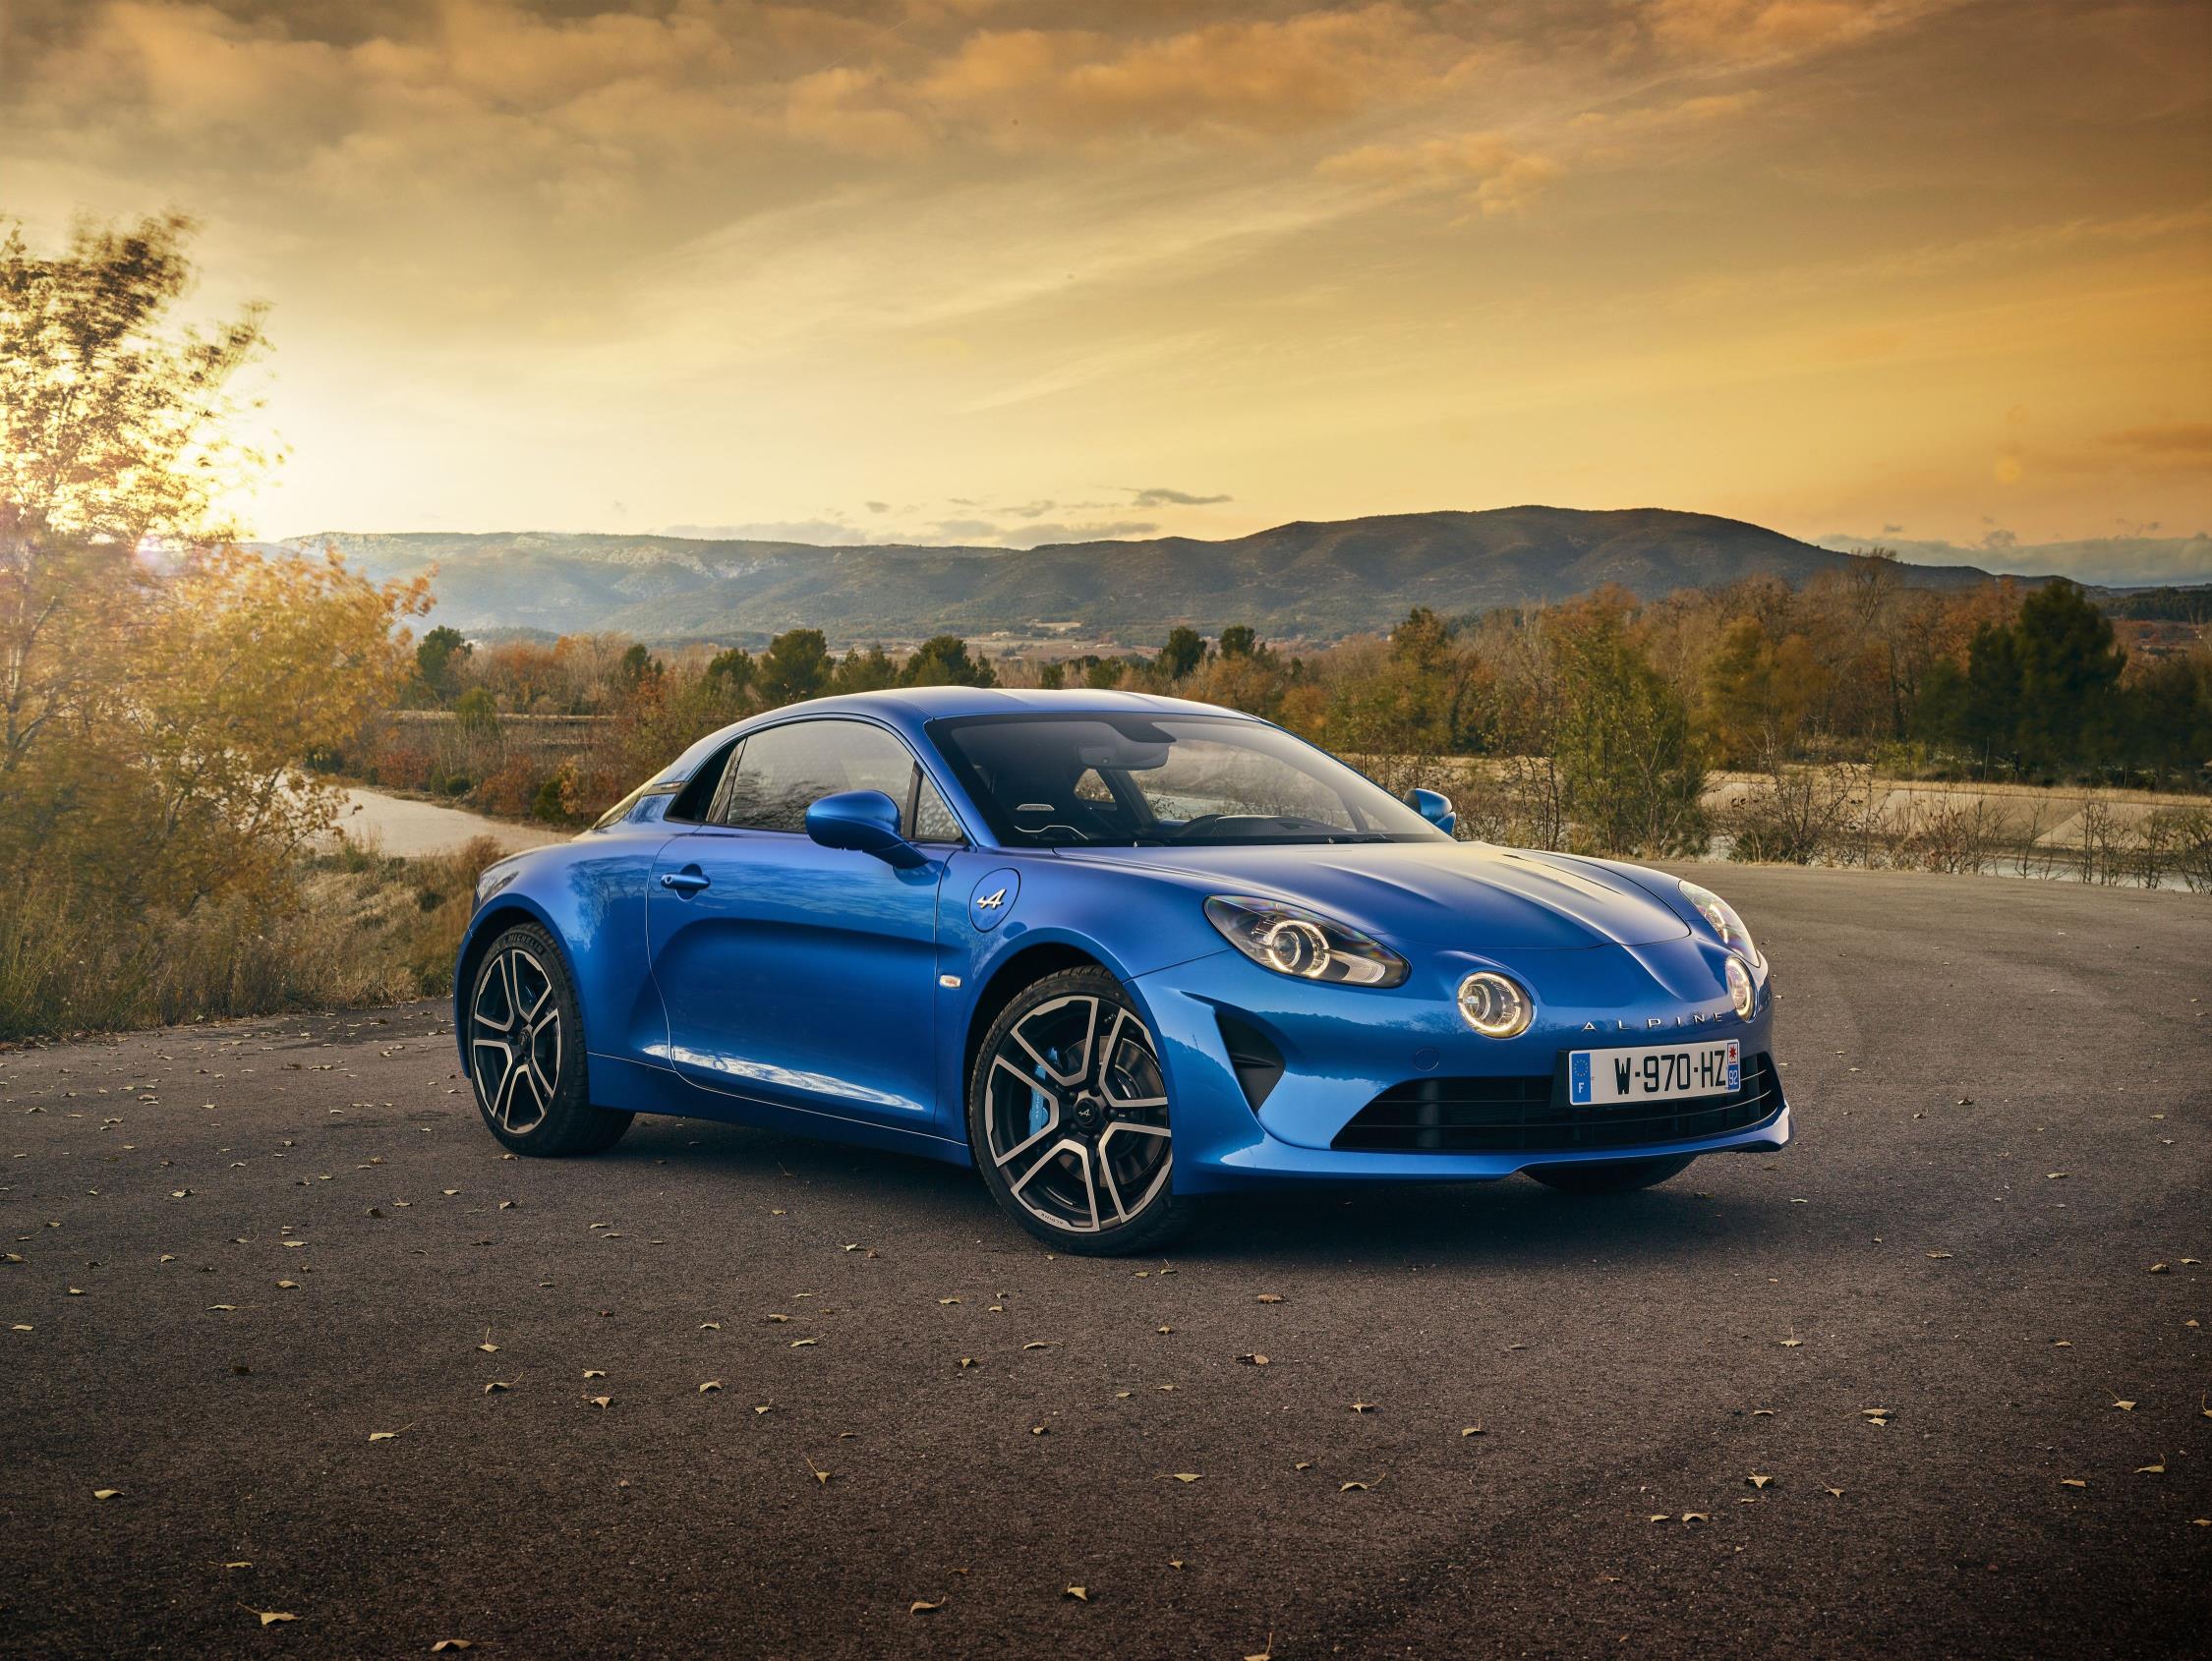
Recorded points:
(1026, 270)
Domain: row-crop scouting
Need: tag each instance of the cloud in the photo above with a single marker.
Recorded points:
(1493, 174)
(2184, 445)
(1740, 32)
(1159, 496)
(1036, 535)
(826, 530)
(1237, 78)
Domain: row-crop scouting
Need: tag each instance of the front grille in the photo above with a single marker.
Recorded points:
(1516, 1115)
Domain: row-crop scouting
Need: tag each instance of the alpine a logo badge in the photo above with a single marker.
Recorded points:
(992, 900)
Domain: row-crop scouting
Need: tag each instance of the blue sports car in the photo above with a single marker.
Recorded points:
(1119, 953)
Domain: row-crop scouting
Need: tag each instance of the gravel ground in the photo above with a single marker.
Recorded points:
(354, 1383)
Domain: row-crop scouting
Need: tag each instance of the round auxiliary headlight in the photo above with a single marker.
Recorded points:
(1494, 1006)
(1741, 993)
(1297, 947)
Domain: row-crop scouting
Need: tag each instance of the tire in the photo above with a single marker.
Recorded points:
(1067, 1118)
(533, 1092)
(1612, 1177)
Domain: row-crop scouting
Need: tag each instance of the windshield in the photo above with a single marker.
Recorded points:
(1118, 780)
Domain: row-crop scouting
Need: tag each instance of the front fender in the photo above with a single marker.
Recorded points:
(588, 895)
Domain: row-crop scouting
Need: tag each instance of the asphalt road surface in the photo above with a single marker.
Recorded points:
(760, 1395)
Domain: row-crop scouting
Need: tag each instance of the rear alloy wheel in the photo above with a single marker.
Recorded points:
(526, 1051)
(1067, 1116)
(1611, 1176)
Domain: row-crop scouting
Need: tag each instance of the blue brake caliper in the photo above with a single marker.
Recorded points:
(1041, 1110)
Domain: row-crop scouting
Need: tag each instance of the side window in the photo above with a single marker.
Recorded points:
(785, 770)
(933, 820)
(694, 803)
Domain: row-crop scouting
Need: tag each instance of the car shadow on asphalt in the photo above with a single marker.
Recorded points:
(1513, 1218)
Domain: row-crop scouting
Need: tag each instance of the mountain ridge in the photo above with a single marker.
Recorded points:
(1317, 579)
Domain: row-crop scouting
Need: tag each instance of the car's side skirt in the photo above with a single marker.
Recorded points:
(637, 1087)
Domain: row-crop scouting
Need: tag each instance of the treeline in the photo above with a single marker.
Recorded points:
(1598, 721)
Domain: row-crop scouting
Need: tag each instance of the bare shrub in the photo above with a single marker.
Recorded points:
(1797, 816)
(2185, 845)
(1951, 837)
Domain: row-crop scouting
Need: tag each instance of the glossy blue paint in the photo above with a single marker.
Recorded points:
(806, 981)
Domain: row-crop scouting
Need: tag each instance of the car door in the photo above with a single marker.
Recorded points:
(794, 973)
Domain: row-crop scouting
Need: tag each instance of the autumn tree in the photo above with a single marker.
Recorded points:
(160, 687)
(1633, 775)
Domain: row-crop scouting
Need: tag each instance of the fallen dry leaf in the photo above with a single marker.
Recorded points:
(105, 1493)
(2125, 1406)
(270, 1617)
(1269, 1297)
(712, 1385)
(444, 1644)
(1759, 1481)
(1471, 1430)
(922, 1606)
(2071, 1482)
(1255, 1359)
(1079, 1593)
(602, 1402)
(805, 1342)
(496, 1386)
(2158, 1469)
(2160, 1269)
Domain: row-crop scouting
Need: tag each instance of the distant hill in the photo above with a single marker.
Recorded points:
(1318, 580)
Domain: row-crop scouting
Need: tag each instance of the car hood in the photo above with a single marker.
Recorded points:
(1465, 894)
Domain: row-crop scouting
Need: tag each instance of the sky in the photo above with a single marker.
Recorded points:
(1012, 271)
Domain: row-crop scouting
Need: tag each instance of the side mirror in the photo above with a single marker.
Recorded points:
(864, 820)
(1435, 807)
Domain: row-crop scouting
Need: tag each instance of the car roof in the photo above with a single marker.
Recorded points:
(910, 708)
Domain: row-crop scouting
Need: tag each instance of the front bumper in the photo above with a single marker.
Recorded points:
(1342, 1047)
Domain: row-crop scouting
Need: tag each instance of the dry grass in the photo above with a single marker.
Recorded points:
(349, 929)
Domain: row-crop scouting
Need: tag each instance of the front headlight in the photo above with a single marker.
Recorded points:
(1301, 943)
(1723, 916)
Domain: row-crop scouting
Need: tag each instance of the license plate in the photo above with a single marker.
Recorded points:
(1597, 1076)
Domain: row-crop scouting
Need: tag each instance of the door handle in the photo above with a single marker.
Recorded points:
(689, 880)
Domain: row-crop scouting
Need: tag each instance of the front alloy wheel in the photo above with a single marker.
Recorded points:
(1068, 1116)
(526, 1051)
